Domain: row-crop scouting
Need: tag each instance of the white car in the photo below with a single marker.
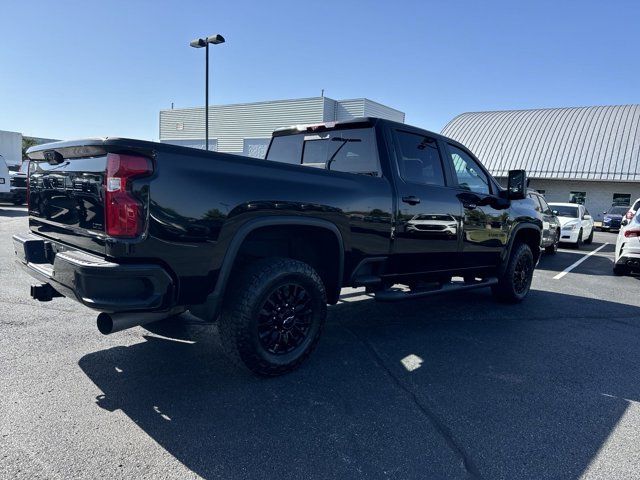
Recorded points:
(628, 248)
(576, 223)
(635, 206)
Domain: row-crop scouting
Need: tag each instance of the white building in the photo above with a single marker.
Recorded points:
(588, 155)
(246, 128)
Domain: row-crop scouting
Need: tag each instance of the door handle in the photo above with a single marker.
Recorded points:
(469, 205)
(411, 200)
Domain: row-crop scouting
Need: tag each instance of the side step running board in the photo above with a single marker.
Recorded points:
(397, 295)
(366, 281)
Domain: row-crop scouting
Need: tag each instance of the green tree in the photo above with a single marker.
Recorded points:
(27, 142)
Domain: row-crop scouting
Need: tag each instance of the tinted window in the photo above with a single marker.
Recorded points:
(544, 205)
(577, 197)
(420, 160)
(352, 151)
(566, 211)
(618, 210)
(286, 149)
(536, 203)
(622, 199)
(470, 175)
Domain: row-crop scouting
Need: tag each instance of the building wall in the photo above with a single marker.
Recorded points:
(231, 124)
(599, 194)
(246, 128)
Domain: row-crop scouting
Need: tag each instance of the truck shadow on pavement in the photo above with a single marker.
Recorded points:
(13, 212)
(425, 389)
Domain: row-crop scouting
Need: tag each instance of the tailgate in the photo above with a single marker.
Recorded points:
(69, 199)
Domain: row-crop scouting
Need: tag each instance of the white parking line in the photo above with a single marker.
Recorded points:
(571, 267)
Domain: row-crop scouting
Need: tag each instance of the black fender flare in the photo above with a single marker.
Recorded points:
(214, 300)
(512, 238)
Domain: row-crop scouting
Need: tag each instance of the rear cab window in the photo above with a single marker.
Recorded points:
(342, 150)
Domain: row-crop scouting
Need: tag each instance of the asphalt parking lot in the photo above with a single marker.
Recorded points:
(445, 387)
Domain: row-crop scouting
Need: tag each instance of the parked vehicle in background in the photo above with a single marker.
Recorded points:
(576, 223)
(141, 231)
(613, 217)
(631, 212)
(627, 255)
(5, 182)
(551, 226)
(18, 192)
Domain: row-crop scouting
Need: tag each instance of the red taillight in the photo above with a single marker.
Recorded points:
(123, 211)
(634, 232)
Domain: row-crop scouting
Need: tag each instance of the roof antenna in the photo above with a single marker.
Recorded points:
(322, 93)
(171, 105)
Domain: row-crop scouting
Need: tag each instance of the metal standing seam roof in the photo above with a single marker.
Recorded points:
(577, 143)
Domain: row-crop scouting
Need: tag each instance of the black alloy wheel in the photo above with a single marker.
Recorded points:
(285, 319)
(522, 274)
(272, 315)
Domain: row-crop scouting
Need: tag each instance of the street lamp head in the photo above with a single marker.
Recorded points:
(198, 43)
(215, 39)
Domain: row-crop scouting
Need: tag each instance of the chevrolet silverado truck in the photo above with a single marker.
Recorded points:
(142, 231)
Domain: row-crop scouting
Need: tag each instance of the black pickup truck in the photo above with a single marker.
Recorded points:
(142, 231)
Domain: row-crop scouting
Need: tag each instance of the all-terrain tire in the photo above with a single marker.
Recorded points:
(252, 291)
(553, 248)
(514, 284)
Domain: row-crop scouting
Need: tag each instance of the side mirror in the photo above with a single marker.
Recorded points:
(517, 184)
(555, 212)
(624, 222)
(588, 217)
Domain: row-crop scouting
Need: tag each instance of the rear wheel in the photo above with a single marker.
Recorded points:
(273, 315)
(514, 284)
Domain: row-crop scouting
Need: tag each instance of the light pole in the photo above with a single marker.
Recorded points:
(199, 43)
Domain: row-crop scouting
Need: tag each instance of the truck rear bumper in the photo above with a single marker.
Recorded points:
(93, 280)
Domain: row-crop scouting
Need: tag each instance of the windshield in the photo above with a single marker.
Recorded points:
(618, 210)
(565, 211)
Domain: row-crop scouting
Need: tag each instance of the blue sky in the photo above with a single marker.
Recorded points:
(72, 69)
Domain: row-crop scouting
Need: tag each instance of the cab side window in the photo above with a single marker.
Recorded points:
(420, 160)
(536, 203)
(469, 174)
(545, 206)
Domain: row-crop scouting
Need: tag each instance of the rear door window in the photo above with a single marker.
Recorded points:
(420, 160)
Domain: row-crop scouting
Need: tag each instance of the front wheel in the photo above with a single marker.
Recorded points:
(273, 315)
(514, 284)
(579, 241)
(589, 238)
(553, 248)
